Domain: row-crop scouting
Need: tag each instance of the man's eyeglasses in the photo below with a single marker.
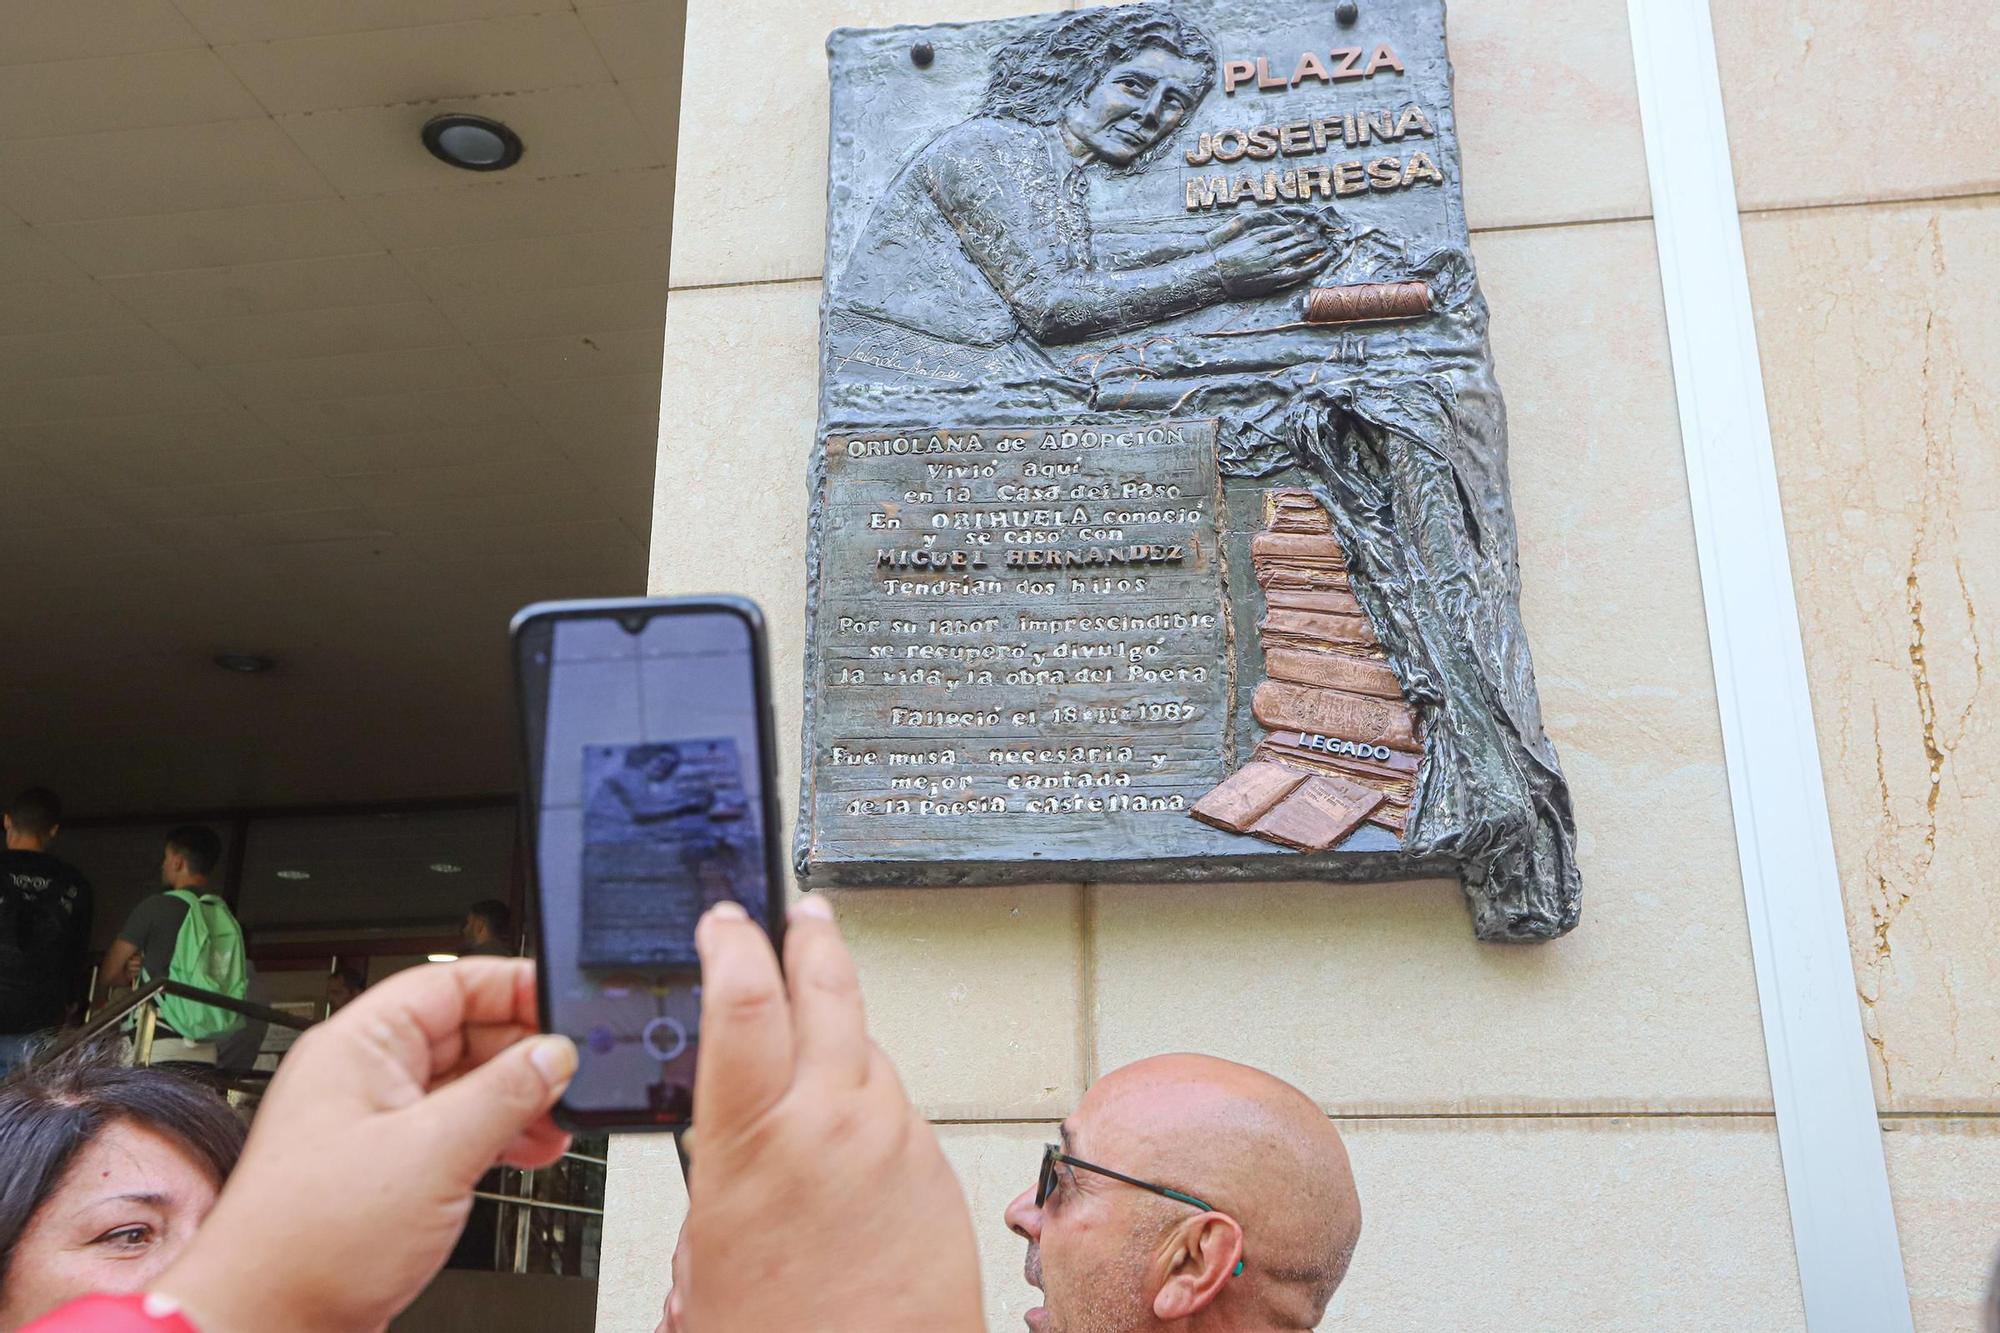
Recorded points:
(1053, 1156)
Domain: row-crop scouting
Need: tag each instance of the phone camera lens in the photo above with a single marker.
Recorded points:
(633, 623)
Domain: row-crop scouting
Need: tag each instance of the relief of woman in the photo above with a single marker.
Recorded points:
(979, 253)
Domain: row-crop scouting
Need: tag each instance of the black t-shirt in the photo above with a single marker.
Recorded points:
(45, 908)
(154, 928)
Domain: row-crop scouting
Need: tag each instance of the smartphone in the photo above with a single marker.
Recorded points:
(651, 795)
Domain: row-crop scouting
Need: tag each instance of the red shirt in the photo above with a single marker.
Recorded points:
(115, 1314)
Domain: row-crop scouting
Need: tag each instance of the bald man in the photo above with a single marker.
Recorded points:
(1189, 1194)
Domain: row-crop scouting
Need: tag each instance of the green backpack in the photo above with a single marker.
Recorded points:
(209, 954)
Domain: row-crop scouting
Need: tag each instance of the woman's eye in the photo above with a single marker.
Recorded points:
(126, 1238)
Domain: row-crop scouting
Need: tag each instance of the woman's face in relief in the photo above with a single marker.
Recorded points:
(1135, 105)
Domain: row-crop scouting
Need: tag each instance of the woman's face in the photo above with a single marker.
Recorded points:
(128, 1205)
(1135, 105)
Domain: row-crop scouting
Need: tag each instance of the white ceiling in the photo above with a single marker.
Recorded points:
(273, 379)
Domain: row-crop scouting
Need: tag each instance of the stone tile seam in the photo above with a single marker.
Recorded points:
(796, 279)
(1086, 983)
(1439, 1115)
(1970, 196)
(1899, 201)
(1889, 1119)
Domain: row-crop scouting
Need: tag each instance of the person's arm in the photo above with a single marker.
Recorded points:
(1138, 249)
(383, 1118)
(128, 951)
(996, 188)
(118, 958)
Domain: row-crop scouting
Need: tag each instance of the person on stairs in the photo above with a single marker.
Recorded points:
(185, 933)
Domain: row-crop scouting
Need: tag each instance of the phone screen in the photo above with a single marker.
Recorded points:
(648, 772)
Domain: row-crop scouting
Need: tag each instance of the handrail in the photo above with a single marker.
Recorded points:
(549, 1204)
(117, 1014)
(263, 1013)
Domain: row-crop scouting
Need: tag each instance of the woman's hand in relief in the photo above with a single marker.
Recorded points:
(1265, 252)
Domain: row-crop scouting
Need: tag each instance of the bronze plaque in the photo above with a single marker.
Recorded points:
(1160, 518)
(1020, 641)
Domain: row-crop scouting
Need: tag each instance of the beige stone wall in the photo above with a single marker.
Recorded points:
(1867, 153)
(1577, 1135)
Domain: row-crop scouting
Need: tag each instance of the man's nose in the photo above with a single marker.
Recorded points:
(1155, 109)
(1023, 1218)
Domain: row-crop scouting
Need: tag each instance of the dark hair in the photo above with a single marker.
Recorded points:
(36, 812)
(1038, 75)
(199, 844)
(499, 918)
(50, 1113)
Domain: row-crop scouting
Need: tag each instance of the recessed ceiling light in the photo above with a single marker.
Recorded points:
(295, 874)
(244, 664)
(445, 867)
(442, 957)
(472, 142)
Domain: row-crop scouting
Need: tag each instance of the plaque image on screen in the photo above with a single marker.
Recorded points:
(669, 831)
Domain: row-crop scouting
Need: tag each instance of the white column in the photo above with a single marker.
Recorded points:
(1850, 1264)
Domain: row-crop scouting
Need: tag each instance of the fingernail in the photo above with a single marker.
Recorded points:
(553, 1057)
(728, 911)
(814, 906)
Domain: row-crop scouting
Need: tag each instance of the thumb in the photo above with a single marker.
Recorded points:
(472, 1120)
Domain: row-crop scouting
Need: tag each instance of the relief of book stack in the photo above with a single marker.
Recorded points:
(1340, 747)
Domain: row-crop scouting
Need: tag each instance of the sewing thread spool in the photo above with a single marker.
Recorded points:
(1367, 302)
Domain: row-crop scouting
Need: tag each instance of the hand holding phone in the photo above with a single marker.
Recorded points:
(359, 1172)
(819, 1198)
(651, 776)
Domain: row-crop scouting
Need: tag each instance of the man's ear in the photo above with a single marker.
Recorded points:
(1202, 1255)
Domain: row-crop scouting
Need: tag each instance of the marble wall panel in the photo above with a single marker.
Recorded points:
(1945, 1176)
(1493, 1226)
(1882, 365)
(1834, 102)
